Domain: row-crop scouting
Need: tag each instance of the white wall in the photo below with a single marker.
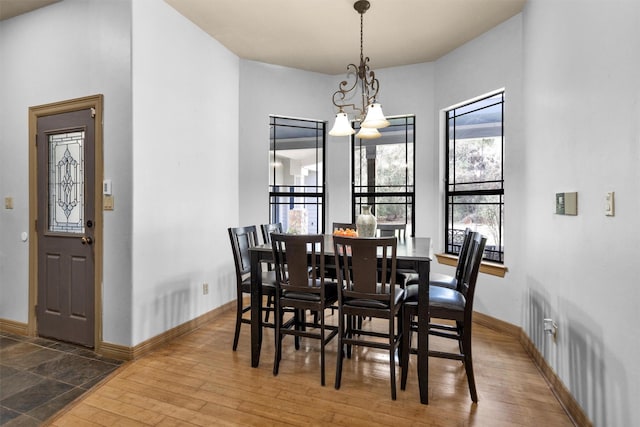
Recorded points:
(185, 181)
(67, 50)
(582, 127)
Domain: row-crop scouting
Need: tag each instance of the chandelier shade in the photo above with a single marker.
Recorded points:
(375, 119)
(368, 112)
(368, 133)
(341, 127)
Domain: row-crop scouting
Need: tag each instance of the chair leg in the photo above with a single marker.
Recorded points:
(460, 328)
(236, 335)
(340, 355)
(322, 348)
(269, 304)
(468, 363)
(277, 317)
(406, 348)
(349, 333)
(392, 358)
(299, 318)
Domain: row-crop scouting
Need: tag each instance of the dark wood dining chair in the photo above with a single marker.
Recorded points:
(367, 288)
(448, 281)
(404, 277)
(267, 229)
(441, 279)
(388, 230)
(301, 285)
(242, 238)
(455, 305)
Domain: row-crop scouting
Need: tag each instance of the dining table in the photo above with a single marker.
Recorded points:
(413, 253)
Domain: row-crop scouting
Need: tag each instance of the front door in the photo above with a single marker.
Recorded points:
(65, 226)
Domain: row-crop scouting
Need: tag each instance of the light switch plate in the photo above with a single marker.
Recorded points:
(609, 206)
(8, 202)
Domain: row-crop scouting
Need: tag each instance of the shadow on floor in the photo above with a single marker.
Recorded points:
(38, 377)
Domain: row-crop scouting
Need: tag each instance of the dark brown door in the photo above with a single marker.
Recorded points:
(65, 226)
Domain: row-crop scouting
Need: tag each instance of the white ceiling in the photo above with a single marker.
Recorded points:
(11, 8)
(324, 35)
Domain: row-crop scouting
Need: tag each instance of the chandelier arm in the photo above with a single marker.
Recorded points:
(340, 96)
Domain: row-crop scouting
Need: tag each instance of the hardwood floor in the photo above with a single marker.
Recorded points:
(198, 380)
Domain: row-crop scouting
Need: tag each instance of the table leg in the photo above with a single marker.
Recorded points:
(256, 308)
(423, 331)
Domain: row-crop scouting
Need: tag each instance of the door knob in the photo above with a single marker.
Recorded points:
(86, 240)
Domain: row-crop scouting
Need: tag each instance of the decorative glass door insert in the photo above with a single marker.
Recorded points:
(66, 182)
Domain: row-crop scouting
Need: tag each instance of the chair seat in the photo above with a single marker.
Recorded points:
(439, 297)
(330, 294)
(372, 303)
(449, 299)
(268, 282)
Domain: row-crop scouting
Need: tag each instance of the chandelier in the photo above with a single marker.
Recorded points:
(368, 112)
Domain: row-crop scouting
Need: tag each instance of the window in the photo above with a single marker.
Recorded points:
(383, 173)
(296, 174)
(474, 174)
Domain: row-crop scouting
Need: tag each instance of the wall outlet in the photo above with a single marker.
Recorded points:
(550, 327)
(205, 288)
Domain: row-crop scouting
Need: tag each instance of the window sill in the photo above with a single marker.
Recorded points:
(486, 267)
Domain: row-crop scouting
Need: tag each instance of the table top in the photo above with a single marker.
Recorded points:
(410, 248)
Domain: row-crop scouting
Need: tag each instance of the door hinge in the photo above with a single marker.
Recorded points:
(35, 224)
(93, 113)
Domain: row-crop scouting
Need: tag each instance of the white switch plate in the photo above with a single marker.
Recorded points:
(609, 205)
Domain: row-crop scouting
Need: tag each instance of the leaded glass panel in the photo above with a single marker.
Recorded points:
(66, 182)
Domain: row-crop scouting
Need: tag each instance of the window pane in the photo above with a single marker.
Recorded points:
(296, 167)
(386, 166)
(478, 164)
(480, 213)
(475, 184)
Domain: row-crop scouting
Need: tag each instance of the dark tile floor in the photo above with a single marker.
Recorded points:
(38, 377)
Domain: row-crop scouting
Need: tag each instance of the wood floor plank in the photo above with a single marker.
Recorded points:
(197, 380)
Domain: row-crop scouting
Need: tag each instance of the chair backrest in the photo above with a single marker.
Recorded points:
(389, 230)
(299, 261)
(467, 285)
(366, 267)
(463, 256)
(343, 225)
(267, 229)
(242, 238)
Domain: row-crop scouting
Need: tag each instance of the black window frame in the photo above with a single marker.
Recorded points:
(455, 191)
(370, 194)
(287, 127)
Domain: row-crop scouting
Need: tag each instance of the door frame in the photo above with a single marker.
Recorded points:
(95, 102)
